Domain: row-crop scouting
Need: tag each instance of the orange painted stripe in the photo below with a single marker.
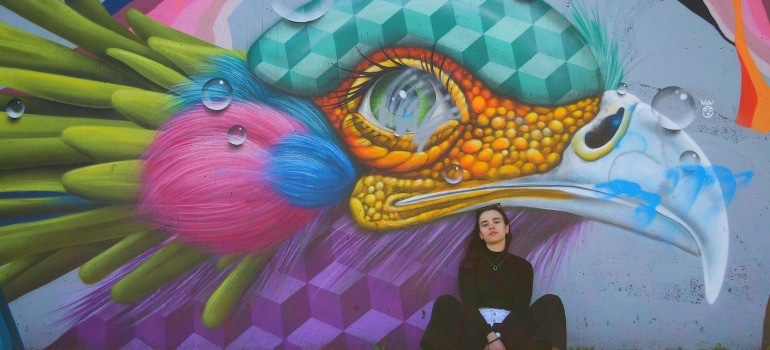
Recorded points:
(756, 112)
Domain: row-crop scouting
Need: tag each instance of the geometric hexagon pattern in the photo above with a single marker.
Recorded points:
(523, 49)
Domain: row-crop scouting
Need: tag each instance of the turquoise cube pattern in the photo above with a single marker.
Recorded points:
(523, 49)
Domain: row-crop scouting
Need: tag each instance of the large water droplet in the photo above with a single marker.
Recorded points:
(674, 108)
(217, 94)
(236, 135)
(301, 10)
(689, 160)
(622, 89)
(15, 108)
(453, 173)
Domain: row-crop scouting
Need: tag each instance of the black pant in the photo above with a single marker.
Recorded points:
(449, 327)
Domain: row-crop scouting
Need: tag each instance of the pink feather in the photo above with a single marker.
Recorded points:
(206, 191)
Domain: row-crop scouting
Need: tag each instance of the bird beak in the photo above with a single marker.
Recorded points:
(625, 170)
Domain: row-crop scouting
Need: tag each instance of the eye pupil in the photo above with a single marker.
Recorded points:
(604, 132)
(402, 101)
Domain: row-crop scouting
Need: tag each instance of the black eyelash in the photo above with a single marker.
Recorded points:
(428, 64)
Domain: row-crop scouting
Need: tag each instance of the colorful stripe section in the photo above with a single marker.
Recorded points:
(204, 19)
(755, 93)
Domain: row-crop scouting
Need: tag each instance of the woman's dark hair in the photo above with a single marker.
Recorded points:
(475, 246)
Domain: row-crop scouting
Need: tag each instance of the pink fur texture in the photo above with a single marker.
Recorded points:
(205, 191)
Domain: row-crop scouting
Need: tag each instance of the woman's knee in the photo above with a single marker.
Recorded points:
(553, 300)
(446, 302)
(549, 304)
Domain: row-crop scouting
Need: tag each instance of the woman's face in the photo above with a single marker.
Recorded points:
(492, 227)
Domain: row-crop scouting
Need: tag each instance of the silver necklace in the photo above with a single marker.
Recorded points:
(494, 267)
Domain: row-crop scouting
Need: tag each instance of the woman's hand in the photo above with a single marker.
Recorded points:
(495, 345)
(494, 342)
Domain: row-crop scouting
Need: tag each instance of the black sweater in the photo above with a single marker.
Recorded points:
(509, 287)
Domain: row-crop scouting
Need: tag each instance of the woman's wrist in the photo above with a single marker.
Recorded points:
(493, 340)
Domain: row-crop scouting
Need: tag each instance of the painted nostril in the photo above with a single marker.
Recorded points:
(604, 132)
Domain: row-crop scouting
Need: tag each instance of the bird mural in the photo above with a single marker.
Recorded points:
(315, 189)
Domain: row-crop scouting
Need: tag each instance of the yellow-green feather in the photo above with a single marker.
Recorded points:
(170, 262)
(33, 152)
(28, 238)
(50, 268)
(224, 298)
(148, 109)
(34, 125)
(106, 144)
(26, 51)
(153, 71)
(119, 254)
(112, 182)
(54, 87)
(147, 27)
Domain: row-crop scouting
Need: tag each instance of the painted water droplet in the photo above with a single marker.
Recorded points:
(689, 160)
(15, 108)
(674, 108)
(622, 89)
(301, 11)
(236, 135)
(217, 94)
(453, 173)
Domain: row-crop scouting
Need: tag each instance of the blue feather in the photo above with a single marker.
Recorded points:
(310, 171)
(247, 87)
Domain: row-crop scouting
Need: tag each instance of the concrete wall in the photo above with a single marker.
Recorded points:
(622, 270)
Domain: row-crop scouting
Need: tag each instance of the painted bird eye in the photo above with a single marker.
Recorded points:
(605, 131)
(600, 137)
(407, 100)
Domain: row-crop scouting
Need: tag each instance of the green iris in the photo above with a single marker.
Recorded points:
(402, 99)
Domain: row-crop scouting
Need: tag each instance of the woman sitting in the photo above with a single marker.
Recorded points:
(495, 290)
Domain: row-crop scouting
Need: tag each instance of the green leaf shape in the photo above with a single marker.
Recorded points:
(46, 179)
(15, 268)
(50, 268)
(29, 206)
(33, 125)
(227, 260)
(60, 19)
(111, 182)
(167, 264)
(39, 106)
(106, 143)
(95, 11)
(119, 254)
(33, 152)
(221, 302)
(26, 51)
(147, 27)
(148, 109)
(96, 225)
(189, 57)
(153, 71)
(59, 88)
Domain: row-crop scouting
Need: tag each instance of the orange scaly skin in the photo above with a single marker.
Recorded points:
(494, 138)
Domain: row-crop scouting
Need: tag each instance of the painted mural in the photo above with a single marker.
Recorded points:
(302, 174)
